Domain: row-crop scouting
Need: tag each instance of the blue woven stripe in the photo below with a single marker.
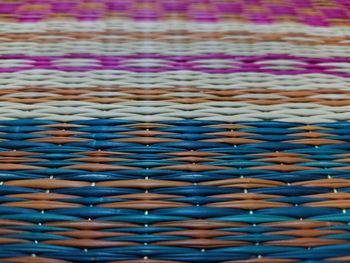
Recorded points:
(239, 159)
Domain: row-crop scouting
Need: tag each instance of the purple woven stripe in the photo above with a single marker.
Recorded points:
(209, 63)
(312, 12)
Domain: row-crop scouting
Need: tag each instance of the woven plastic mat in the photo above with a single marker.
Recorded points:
(174, 131)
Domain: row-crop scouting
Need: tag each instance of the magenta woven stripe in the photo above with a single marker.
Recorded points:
(312, 12)
(208, 63)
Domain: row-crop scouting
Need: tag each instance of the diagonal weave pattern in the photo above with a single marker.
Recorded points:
(201, 131)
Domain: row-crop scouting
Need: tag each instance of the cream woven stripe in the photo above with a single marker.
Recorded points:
(54, 78)
(132, 26)
(194, 48)
(153, 111)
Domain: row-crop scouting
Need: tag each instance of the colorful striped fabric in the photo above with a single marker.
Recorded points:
(174, 131)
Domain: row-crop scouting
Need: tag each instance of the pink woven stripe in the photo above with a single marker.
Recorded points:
(208, 63)
(312, 12)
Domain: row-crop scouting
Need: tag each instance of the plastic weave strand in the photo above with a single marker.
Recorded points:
(174, 131)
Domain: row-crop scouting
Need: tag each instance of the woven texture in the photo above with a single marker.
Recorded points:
(169, 131)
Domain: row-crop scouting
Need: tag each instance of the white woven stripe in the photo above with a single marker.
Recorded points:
(132, 26)
(110, 78)
(153, 111)
(193, 48)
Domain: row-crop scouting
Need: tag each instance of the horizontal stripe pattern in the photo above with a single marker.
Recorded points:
(208, 63)
(161, 111)
(180, 78)
(313, 12)
(169, 26)
(303, 106)
(192, 187)
(174, 131)
(181, 35)
(117, 47)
